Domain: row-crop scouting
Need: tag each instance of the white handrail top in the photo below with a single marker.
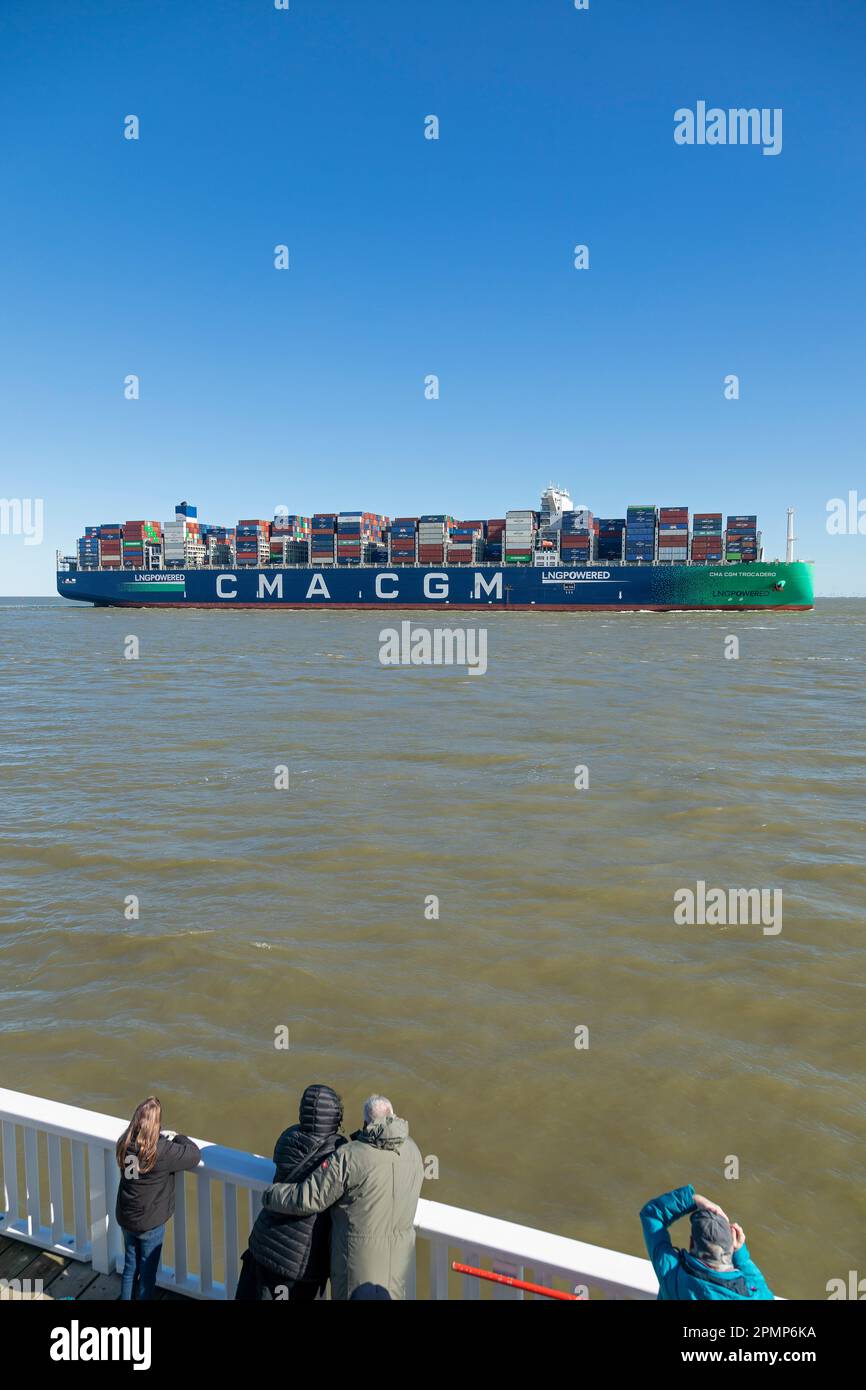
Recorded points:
(489, 1234)
(471, 1230)
(89, 1126)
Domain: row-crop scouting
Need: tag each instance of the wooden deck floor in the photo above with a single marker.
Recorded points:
(61, 1277)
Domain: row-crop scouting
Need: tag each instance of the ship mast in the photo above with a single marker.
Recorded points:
(789, 549)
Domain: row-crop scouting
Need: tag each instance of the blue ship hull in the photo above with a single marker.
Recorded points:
(512, 587)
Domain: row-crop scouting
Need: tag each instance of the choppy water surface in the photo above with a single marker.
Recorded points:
(306, 907)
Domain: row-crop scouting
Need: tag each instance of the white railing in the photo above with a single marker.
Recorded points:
(60, 1184)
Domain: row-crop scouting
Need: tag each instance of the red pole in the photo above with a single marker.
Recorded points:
(515, 1283)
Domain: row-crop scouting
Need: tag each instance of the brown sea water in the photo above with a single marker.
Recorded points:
(306, 908)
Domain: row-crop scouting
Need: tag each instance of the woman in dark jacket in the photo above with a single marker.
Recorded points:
(289, 1256)
(148, 1160)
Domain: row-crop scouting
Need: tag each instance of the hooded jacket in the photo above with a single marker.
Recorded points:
(145, 1202)
(682, 1277)
(297, 1248)
(372, 1185)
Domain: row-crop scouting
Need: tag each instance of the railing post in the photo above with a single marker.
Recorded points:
(55, 1189)
(115, 1235)
(512, 1270)
(79, 1197)
(438, 1269)
(181, 1268)
(230, 1231)
(99, 1252)
(205, 1235)
(10, 1172)
(471, 1285)
(31, 1180)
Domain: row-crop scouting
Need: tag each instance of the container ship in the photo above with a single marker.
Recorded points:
(559, 557)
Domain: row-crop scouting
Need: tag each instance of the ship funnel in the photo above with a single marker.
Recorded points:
(789, 548)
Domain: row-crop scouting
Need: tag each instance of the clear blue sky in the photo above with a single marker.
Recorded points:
(410, 257)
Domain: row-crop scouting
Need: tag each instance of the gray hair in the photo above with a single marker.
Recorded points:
(377, 1108)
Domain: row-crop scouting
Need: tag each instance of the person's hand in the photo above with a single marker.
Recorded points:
(739, 1236)
(704, 1204)
(169, 1133)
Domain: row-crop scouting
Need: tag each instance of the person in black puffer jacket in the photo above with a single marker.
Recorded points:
(289, 1256)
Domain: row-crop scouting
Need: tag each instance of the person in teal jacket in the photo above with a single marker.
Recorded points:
(717, 1264)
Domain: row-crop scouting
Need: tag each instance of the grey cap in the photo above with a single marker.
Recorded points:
(712, 1237)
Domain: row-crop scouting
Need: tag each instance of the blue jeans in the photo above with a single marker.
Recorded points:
(141, 1263)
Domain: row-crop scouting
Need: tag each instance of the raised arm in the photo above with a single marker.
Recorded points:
(655, 1218)
(316, 1193)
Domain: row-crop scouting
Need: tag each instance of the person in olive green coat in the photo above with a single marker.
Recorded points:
(372, 1184)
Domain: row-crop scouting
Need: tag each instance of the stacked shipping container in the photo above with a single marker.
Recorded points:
(88, 549)
(353, 538)
(140, 540)
(323, 538)
(290, 540)
(111, 546)
(640, 536)
(173, 539)
(350, 538)
(194, 547)
(741, 538)
(495, 540)
(358, 533)
(252, 543)
(220, 546)
(433, 533)
(520, 529)
(466, 543)
(707, 538)
(575, 537)
(673, 535)
(403, 540)
(610, 539)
